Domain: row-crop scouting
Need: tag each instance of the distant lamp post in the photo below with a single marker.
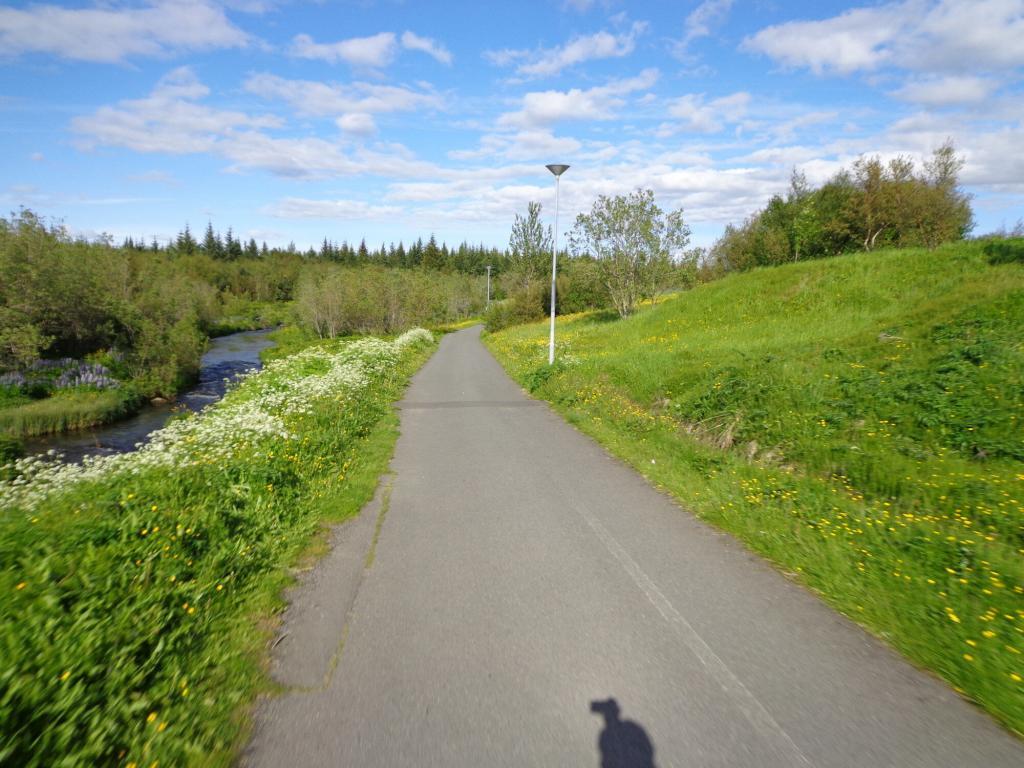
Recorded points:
(558, 170)
(488, 286)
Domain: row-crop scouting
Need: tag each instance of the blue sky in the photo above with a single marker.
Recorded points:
(291, 121)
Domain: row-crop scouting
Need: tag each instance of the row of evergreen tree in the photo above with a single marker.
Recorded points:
(465, 257)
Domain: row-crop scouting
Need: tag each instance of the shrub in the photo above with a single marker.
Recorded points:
(522, 307)
(1005, 250)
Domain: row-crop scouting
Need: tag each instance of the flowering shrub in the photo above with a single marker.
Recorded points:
(13, 379)
(86, 375)
(62, 373)
(129, 583)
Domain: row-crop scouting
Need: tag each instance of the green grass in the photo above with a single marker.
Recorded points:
(288, 340)
(65, 411)
(857, 420)
(135, 608)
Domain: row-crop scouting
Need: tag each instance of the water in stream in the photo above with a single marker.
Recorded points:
(227, 357)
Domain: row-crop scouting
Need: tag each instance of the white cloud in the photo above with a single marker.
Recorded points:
(786, 130)
(375, 51)
(551, 61)
(172, 120)
(103, 33)
(310, 97)
(520, 145)
(357, 124)
(947, 91)
(541, 108)
(854, 40)
(168, 120)
(966, 35)
(413, 42)
(921, 35)
(703, 20)
(304, 208)
(692, 113)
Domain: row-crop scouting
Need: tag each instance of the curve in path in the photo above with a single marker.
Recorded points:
(533, 602)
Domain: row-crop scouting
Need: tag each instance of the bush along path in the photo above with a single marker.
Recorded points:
(134, 589)
(856, 420)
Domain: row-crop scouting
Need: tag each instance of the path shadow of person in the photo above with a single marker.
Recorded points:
(622, 743)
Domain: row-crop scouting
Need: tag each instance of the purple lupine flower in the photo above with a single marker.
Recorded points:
(86, 375)
(13, 379)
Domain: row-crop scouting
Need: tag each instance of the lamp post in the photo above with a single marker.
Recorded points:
(558, 170)
(488, 286)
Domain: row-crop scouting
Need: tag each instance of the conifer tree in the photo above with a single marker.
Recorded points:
(186, 244)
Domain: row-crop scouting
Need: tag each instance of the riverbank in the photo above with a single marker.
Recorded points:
(66, 411)
(116, 420)
(140, 585)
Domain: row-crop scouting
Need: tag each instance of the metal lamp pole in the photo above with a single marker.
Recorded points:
(488, 285)
(558, 170)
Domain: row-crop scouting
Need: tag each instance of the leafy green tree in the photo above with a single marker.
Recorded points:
(634, 243)
(529, 248)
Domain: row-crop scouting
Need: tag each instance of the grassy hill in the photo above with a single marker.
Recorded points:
(857, 420)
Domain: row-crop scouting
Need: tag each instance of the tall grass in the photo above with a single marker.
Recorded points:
(134, 590)
(857, 420)
(65, 411)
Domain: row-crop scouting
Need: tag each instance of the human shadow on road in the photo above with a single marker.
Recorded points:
(622, 743)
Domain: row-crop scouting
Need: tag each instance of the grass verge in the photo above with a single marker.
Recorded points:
(135, 590)
(855, 420)
(67, 410)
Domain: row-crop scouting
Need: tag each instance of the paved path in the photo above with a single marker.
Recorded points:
(522, 579)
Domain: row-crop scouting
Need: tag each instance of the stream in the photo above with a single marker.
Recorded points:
(226, 358)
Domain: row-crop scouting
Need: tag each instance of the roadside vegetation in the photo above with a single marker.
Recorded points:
(624, 251)
(869, 206)
(90, 330)
(857, 420)
(137, 588)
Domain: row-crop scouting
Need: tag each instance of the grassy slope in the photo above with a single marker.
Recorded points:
(856, 420)
(135, 612)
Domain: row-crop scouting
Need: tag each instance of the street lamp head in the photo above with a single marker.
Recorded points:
(557, 168)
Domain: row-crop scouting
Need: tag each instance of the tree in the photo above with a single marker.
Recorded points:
(432, 258)
(185, 243)
(232, 246)
(634, 243)
(529, 248)
(212, 244)
(952, 217)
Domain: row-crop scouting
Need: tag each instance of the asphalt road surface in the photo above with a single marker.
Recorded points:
(516, 597)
